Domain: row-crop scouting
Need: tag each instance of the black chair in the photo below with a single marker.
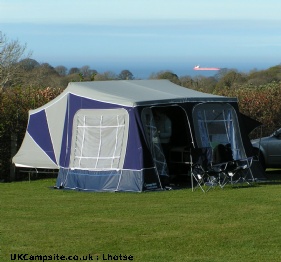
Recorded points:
(204, 173)
(234, 171)
(241, 173)
(212, 168)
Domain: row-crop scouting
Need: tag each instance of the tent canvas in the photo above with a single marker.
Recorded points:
(102, 135)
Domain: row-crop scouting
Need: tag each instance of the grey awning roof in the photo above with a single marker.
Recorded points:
(140, 92)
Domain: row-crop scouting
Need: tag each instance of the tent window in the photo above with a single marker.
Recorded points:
(99, 139)
(217, 124)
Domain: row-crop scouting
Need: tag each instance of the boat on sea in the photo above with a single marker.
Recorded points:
(206, 68)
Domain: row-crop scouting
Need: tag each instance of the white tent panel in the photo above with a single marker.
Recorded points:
(31, 155)
(56, 120)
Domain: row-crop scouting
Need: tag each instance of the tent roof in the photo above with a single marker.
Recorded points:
(139, 92)
(133, 93)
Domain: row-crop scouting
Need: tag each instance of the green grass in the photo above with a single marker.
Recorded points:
(233, 224)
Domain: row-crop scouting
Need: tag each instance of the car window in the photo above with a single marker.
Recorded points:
(277, 133)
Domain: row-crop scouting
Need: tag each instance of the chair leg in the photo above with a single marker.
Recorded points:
(199, 180)
(223, 179)
(241, 175)
(211, 182)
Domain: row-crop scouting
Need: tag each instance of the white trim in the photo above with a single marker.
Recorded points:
(98, 156)
(49, 104)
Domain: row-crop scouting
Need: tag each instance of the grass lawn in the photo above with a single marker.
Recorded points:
(233, 224)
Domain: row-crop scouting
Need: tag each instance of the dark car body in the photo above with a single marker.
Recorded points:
(268, 150)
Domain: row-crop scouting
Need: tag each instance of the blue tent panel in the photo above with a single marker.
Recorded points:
(42, 136)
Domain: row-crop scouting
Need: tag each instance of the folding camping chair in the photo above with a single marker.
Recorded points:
(204, 173)
(241, 173)
(223, 162)
(215, 167)
(235, 171)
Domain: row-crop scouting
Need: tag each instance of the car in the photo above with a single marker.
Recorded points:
(268, 150)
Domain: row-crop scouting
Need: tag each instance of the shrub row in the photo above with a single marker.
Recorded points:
(262, 103)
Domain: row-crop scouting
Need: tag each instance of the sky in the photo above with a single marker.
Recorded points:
(147, 36)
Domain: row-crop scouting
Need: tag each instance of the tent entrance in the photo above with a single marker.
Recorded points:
(167, 130)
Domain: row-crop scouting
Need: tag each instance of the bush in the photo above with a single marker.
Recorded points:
(261, 103)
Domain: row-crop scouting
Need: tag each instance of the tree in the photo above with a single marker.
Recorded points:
(11, 52)
(126, 75)
(85, 71)
(108, 75)
(167, 75)
(231, 78)
(87, 74)
(201, 83)
(42, 76)
(61, 70)
(272, 74)
(74, 70)
(186, 81)
(28, 64)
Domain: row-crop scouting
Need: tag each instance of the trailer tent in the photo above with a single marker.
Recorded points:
(102, 135)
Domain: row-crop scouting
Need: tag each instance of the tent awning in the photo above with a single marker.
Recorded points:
(249, 123)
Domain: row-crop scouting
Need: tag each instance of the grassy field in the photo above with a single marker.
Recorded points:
(233, 224)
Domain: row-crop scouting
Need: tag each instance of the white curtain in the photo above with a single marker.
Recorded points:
(98, 139)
